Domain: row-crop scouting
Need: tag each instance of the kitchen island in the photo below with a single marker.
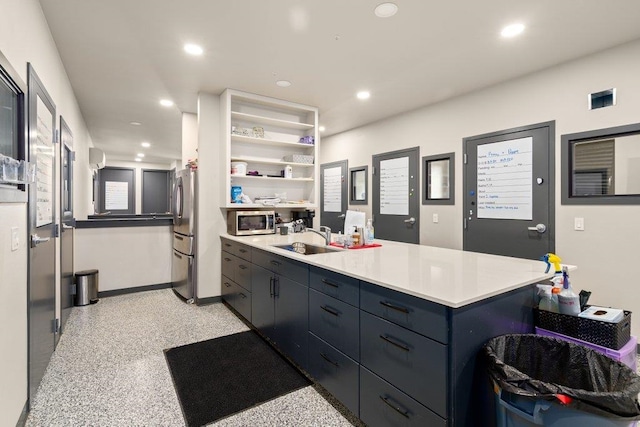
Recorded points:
(393, 332)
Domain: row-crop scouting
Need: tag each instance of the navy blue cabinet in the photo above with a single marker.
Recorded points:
(279, 303)
(236, 278)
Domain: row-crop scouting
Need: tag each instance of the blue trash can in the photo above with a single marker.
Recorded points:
(544, 381)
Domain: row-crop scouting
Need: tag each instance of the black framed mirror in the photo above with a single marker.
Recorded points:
(438, 174)
(601, 167)
(358, 184)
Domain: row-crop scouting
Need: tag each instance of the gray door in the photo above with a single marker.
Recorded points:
(42, 252)
(509, 192)
(156, 187)
(68, 222)
(333, 194)
(396, 193)
(116, 189)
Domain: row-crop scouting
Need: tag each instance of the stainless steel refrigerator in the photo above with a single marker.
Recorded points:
(184, 265)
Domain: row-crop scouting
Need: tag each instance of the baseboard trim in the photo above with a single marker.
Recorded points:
(23, 415)
(124, 291)
(209, 300)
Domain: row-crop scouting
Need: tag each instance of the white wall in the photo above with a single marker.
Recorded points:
(126, 257)
(211, 222)
(25, 37)
(605, 252)
(138, 166)
(189, 138)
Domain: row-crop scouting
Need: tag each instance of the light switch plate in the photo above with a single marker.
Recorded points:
(15, 242)
(435, 218)
(578, 224)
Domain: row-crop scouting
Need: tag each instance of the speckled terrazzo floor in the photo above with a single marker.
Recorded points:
(109, 368)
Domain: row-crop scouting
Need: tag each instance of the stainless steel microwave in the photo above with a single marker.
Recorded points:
(248, 223)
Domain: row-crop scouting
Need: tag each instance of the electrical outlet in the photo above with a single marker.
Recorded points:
(435, 218)
(15, 241)
(578, 224)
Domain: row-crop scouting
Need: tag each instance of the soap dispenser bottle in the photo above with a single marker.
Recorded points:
(368, 233)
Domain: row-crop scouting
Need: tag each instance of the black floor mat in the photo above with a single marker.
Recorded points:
(222, 376)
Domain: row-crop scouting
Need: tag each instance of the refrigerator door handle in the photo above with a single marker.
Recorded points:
(178, 199)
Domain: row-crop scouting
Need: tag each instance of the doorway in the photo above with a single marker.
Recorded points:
(42, 323)
(396, 193)
(68, 224)
(509, 200)
(333, 194)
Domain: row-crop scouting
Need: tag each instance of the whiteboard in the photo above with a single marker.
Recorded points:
(116, 195)
(45, 155)
(505, 179)
(332, 189)
(394, 186)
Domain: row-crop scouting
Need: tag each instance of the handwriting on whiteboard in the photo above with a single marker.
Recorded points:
(394, 186)
(505, 179)
(332, 188)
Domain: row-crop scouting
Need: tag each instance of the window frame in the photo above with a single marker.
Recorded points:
(451, 200)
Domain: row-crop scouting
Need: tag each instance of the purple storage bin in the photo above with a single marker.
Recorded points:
(626, 355)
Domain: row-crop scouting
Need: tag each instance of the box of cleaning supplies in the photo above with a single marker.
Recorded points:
(606, 334)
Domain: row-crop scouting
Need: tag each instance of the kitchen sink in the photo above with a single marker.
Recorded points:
(306, 248)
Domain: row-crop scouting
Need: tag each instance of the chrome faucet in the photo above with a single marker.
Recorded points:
(324, 232)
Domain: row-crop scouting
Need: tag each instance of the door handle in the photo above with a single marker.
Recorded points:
(411, 221)
(67, 227)
(343, 216)
(36, 240)
(540, 228)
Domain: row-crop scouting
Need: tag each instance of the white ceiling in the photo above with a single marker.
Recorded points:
(123, 56)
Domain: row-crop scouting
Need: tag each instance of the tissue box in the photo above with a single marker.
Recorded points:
(611, 315)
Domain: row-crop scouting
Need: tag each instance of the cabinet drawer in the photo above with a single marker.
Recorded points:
(342, 287)
(415, 364)
(228, 290)
(335, 322)
(236, 248)
(183, 244)
(243, 273)
(418, 315)
(294, 270)
(381, 405)
(242, 302)
(335, 372)
(229, 265)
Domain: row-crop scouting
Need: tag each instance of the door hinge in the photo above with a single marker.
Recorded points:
(56, 230)
(72, 289)
(464, 158)
(56, 138)
(72, 156)
(56, 326)
(373, 170)
(465, 223)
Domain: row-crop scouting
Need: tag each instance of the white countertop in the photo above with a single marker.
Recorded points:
(450, 277)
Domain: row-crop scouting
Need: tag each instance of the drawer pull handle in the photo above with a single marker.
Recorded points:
(276, 263)
(242, 266)
(395, 307)
(326, 282)
(398, 409)
(227, 259)
(244, 251)
(227, 245)
(176, 255)
(325, 357)
(271, 287)
(242, 295)
(227, 284)
(329, 310)
(178, 237)
(390, 341)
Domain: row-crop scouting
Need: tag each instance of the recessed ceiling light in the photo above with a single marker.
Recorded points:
(386, 10)
(166, 103)
(363, 94)
(283, 83)
(140, 155)
(138, 159)
(145, 144)
(321, 128)
(135, 123)
(193, 49)
(512, 30)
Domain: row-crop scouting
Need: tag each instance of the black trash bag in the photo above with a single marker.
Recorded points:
(544, 367)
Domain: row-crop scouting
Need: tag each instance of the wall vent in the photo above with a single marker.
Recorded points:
(606, 98)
